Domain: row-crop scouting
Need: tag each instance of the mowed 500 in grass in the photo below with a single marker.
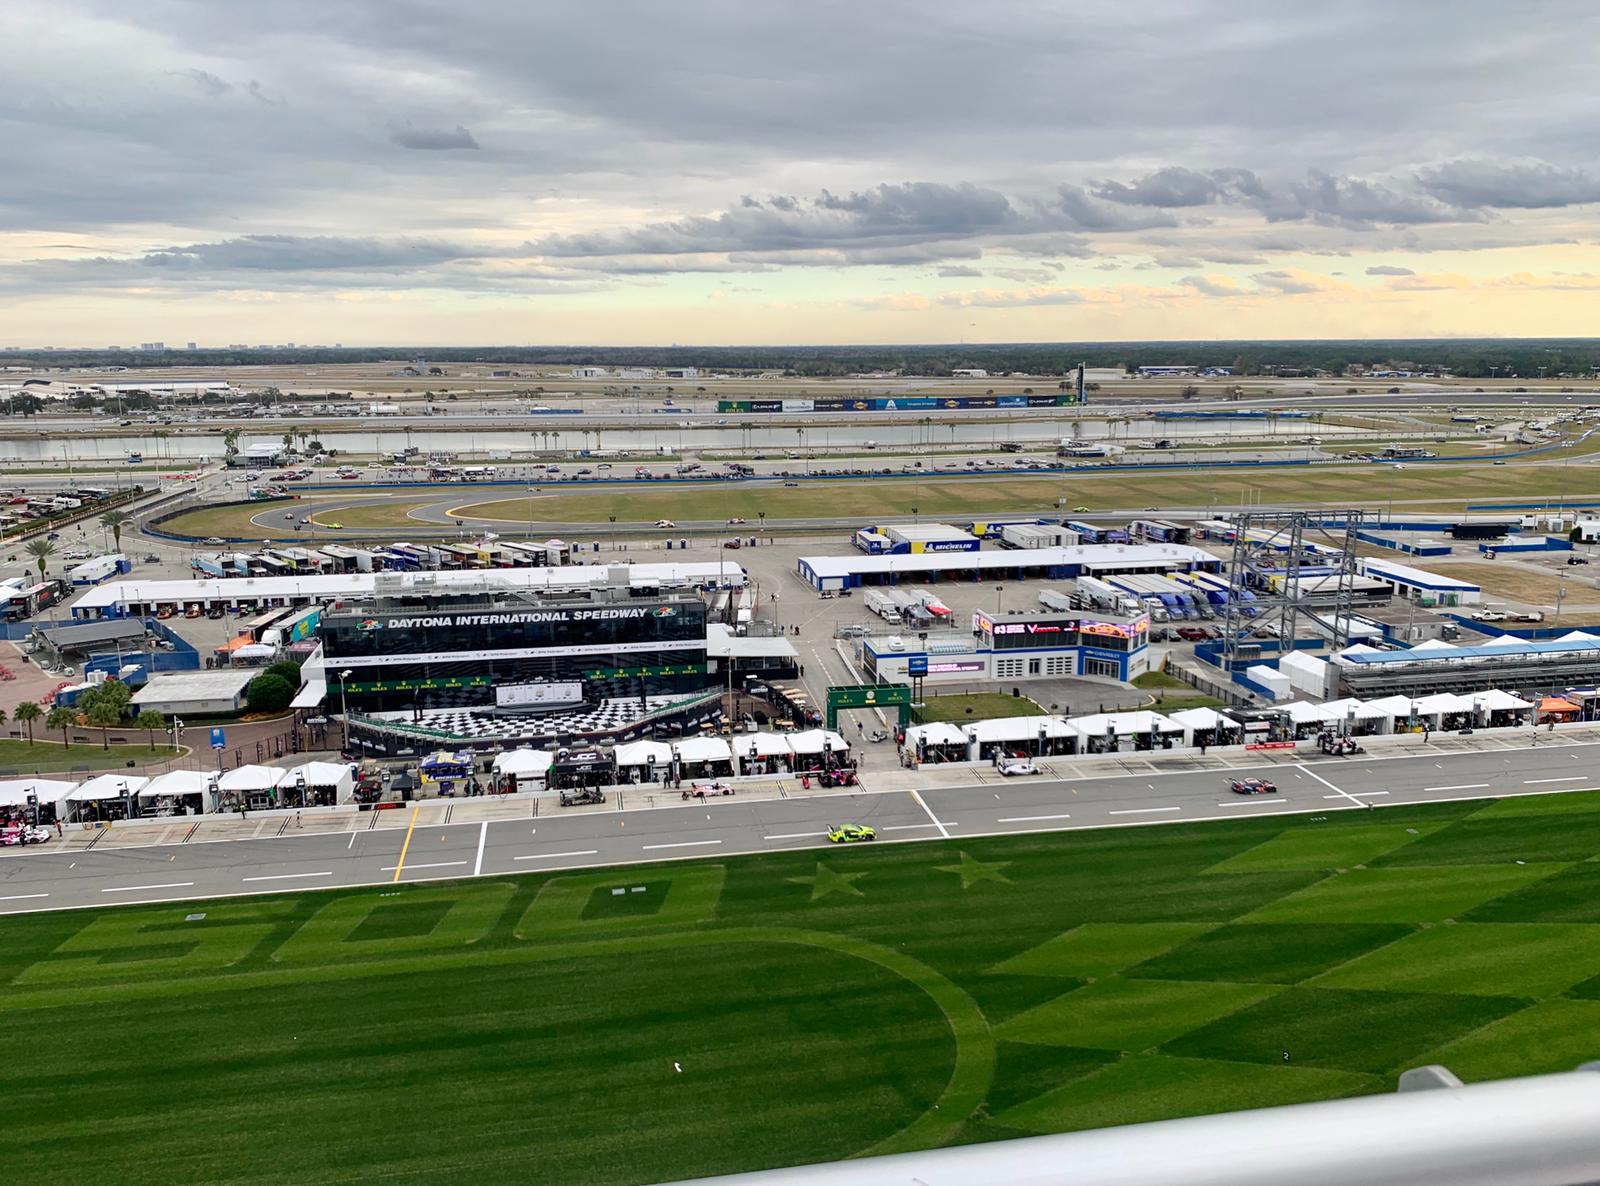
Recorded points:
(627, 1026)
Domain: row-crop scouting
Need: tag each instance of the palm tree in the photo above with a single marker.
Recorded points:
(152, 723)
(115, 521)
(104, 714)
(41, 550)
(25, 714)
(63, 719)
(230, 441)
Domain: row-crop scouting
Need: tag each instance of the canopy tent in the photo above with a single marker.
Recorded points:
(1395, 707)
(107, 786)
(1498, 700)
(523, 763)
(703, 749)
(176, 783)
(336, 777)
(1126, 724)
(1441, 702)
(1302, 713)
(762, 745)
(1502, 640)
(1556, 707)
(644, 753)
(251, 778)
(1432, 646)
(814, 741)
(934, 733)
(14, 792)
(1020, 728)
(1203, 718)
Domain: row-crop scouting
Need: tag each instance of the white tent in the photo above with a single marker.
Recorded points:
(934, 733)
(14, 792)
(1498, 700)
(1020, 728)
(1395, 707)
(177, 783)
(107, 786)
(644, 753)
(762, 745)
(1431, 646)
(1125, 724)
(1303, 713)
(1441, 702)
(1193, 719)
(703, 749)
(523, 763)
(337, 775)
(814, 741)
(1504, 641)
(251, 778)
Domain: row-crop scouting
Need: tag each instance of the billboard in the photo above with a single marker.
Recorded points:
(537, 695)
(1134, 629)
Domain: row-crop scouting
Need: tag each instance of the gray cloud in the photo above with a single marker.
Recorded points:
(1389, 270)
(1210, 286)
(1177, 186)
(1528, 185)
(431, 139)
(960, 270)
(208, 82)
(1087, 214)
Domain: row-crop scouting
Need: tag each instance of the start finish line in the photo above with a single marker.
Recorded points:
(869, 696)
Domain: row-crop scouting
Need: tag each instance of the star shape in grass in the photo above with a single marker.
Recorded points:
(971, 871)
(826, 881)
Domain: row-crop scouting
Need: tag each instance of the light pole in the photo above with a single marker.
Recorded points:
(344, 708)
(613, 520)
(531, 491)
(999, 595)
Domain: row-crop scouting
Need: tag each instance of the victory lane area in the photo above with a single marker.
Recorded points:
(801, 1005)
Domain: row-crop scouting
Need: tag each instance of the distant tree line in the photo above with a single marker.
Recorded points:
(1470, 358)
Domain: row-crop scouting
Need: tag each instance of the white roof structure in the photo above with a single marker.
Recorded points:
(703, 749)
(319, 774)
(522, 761)
(331, 586)
(935, 733)
(1387, 706)
(14, 792)
(1300, 712)
(107, 786)
(1433, 644)
(762, 745)
(1501, 640)
(220, 683)
(643, 753)
(251, 778)
(1089, 557)
(177, 782)
(1499, 700)
(1204, 718)
(1020, 728)
(1125, 724)
(814, 741)
(1427, 706)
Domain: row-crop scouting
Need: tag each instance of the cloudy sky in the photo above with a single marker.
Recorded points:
(738, 171)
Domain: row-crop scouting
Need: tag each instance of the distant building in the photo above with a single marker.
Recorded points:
(970, 373)
(589, 372)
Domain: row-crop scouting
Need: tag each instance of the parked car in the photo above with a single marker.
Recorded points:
(1252, 786)
(732, 543)
(214, 541)
(850, 833)
(1577, 560)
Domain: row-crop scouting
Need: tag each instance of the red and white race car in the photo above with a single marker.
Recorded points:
(1253, 786)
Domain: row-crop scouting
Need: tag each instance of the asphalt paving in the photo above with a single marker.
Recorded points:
(38, 879)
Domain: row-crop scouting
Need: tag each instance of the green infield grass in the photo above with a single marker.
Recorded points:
(610, 1027)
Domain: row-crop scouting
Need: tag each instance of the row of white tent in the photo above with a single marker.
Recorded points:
(189, 787)
(745, 753)
(1188, 726)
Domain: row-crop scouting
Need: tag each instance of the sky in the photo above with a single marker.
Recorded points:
(746, 171)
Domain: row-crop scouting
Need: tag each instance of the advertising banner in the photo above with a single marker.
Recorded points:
(537, 695)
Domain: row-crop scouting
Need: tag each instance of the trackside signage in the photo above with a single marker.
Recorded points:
(616, 613)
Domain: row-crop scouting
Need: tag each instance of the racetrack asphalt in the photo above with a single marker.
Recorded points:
(36, 879)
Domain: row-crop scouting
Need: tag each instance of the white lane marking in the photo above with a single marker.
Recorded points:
(1257, 800)
(1142, 810)
(352, 843)
(550, 856)
(287, 876)
(1463, 786)
(1330, 786)
(483, 834)
(129, 889)
(682, 844)
(1027, 819)
(793, 835)
(433, 865)
(1363, 794)
(21, 897)
(916, 827)
(917, 795)
(1530, 782)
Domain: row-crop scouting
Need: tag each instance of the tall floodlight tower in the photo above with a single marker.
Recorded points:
(1083, 392)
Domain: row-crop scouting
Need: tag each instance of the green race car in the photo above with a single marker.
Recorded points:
(849, 833)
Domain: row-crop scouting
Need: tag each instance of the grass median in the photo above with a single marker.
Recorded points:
(674, 1021)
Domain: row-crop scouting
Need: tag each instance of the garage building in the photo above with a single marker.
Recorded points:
(194, 692)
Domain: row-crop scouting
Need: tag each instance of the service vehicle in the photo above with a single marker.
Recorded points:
(850, 833)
